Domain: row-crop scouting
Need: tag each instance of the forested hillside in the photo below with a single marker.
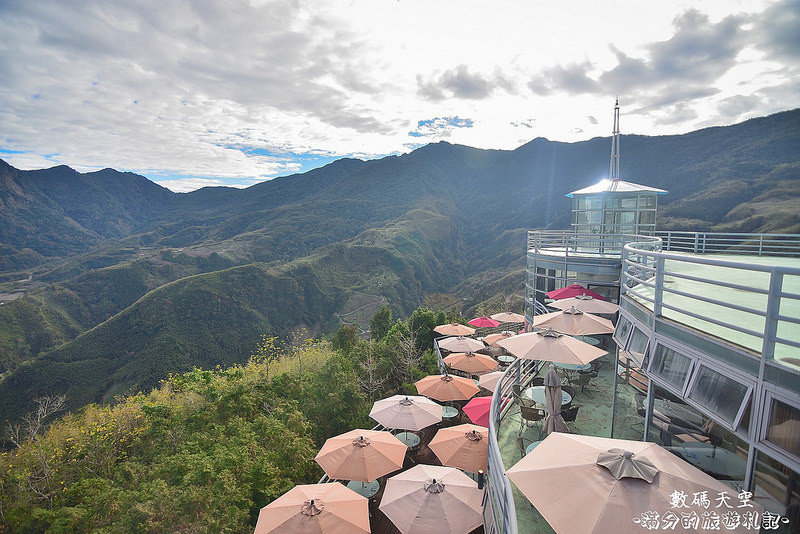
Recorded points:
(125, 281)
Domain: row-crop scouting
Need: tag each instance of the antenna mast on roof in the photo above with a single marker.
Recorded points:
(613, 170)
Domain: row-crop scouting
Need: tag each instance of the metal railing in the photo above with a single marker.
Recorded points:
(731, 243)
(569, 243)
(762, 311)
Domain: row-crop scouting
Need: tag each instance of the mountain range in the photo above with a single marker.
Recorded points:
(110, 282)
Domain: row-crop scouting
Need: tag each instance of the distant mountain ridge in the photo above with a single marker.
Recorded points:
(126, 281)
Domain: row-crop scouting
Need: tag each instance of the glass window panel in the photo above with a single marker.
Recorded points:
(629, 203)
(647, 201)
(612, 203)
(671, 366)
(621, 331)
(638, 342)
(784, 427)
(627, 217)
(777, 490)
(647, 217)
(718, 393)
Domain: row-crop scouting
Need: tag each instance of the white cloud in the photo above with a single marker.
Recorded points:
(232, 90)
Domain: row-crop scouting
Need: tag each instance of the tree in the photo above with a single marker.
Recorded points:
(345, 338)
(371, 378)
(33, 422)
(380, 323)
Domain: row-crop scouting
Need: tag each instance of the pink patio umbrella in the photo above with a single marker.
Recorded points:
(362, 455)
(612, 484)
(446, 387)
(470, 362)
(463, 446)
(508, 317)
(460, 344)
(573, 291)
(551, 346)
(477, 409)
(554, 422)
(454, 329)
(315, 509)
(484, 322)
(430, 499)
(491, 339)
(587, 304)
(489, 380)
(406, 412)
(574, 322)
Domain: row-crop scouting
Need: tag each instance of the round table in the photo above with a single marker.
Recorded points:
(536, 393)
(448, 412)
(367, 489)
(590, 340)
(506, 358)
(574, 366)
(411, 439)
(532, 446)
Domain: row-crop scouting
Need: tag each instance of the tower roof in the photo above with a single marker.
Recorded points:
(616, 186)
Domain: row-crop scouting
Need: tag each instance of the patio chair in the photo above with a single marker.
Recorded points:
(530, 417)
(538, 381)
(584, 380)
(572, 393)
(569, 417)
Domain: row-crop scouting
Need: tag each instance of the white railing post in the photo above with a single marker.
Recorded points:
(659, 289)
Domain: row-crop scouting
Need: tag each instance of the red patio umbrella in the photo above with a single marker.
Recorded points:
(573, 291)
(477, 409)
(482, 322)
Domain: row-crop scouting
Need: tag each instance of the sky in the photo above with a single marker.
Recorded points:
(194, 93)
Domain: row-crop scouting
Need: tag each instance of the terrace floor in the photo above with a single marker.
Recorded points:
(594, 418)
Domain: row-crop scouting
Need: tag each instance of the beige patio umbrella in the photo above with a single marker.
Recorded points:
(586, 303)
(489, 380)
(316, 509)
(554, 422)
(610, 483)
(574, 322)
(508, 317)
(491, 339)
(454, 329)
(362, 455)
(430, 499)
(460, 344)
(463, 446)
(446, 387)
(549, 345)
(470, 362)
(406, 412)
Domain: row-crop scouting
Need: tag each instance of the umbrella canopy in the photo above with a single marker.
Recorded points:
(551, 346)
(406, 412)
(470, 362)
(508, 317)
(446, 387)
(574, 322)
(462, 446)
(491, 339)
(573, 291)
(552, 403)
(612, 482)
(489, 380)
(586, 303)
(430, 499)
(477, 409)
(362, 455)
(460, 344)
(484, 322)
(314, 509)
(454, 329)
